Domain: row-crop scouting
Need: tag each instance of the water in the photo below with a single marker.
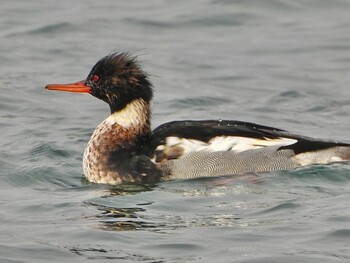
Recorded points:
(274, 62)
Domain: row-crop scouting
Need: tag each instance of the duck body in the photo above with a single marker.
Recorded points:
(124, 149)
(232, 147)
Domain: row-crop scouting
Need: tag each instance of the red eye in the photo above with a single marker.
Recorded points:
(95, 78)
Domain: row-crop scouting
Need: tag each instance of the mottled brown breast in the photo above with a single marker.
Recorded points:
(111, 153)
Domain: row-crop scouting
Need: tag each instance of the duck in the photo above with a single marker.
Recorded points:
(124, 149)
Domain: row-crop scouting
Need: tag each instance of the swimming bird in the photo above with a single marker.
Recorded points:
(124, 149)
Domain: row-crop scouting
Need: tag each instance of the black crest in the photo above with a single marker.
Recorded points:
(118, 80)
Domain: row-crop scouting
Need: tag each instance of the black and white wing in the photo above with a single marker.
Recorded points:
(174, 139)
(197, 148)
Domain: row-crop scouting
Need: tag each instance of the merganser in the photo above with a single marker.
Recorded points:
(123, 148)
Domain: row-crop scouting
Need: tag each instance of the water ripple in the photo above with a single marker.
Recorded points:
(198, 102)
(52, 29)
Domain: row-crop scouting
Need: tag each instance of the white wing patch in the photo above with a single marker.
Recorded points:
(223, 143)
(189, 145)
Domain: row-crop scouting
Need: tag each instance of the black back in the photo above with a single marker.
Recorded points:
(208, 129)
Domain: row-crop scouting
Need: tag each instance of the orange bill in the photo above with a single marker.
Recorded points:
(79, 86)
